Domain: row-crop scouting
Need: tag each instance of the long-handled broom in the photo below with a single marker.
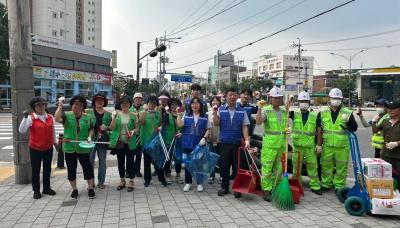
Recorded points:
(282, 196)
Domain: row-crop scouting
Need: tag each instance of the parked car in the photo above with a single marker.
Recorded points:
(369, 103)
(52, 107)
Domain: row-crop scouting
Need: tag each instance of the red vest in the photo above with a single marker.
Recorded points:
(41, 135)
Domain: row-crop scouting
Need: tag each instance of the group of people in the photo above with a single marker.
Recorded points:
(226, 128)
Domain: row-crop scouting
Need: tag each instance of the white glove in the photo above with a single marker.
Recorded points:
(247, 144)
(89, 139)
(392, 145)
(202, 142)
(114, 114)
(167, 109)
(318, 149)
(345, 117)
(375, 119)
(289, 130)
(61, 100)
(145, 107)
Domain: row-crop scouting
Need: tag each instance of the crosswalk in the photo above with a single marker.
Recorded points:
(6, 134)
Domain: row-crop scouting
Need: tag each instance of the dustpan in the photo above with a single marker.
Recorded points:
(295, 185)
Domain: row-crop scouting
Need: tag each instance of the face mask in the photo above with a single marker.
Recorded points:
(380, 110)
(304, 106)
(336, 102)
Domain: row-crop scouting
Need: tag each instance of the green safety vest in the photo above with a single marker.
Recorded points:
(106, 117)
(117, 131)
(333, 134)
(273, 129)
(151, 122)
(70, 132)
(303, 135)
(377, 139)
(170, 130)
(132, 109)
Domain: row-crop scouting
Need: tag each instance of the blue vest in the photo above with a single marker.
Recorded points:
(247, 108)
(231, 131)
(192, 134)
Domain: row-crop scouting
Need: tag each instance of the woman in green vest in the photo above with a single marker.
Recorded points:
(150, 122)
(101, 120)
(77, 127)
(124, 126)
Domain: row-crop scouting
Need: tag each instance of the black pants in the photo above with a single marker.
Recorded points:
(377, 153)
(60, 152)
(188, 176)
(123, 153)
(216, 150)
(138, 158)
(72, 164)
(37, 157)
(228, 158)
(147, 169)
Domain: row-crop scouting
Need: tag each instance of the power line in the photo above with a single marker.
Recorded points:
(190, 16)
(354, 38)
(234, 24)
(359, 48)
(209, 18)
(273, 34)
(245, 30)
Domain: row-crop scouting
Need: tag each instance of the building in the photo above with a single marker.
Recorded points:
(229, 74)
(74, 21)
(284, 71)
(65, 69)
(220, 61)
(322, 84)
(379, 83)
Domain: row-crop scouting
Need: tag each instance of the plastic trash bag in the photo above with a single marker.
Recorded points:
(155, 150)
(201, 163)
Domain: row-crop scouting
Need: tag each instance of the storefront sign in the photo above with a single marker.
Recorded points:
(70, 75)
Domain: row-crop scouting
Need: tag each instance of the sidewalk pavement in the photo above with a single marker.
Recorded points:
(158, 206)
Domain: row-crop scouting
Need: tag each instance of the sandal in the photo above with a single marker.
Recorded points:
(121, 185)
(130, 186)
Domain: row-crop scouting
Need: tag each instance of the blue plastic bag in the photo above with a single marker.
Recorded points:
(155, 150)
(201, 163)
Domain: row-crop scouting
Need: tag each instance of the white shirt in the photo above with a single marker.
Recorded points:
(196, 118)
(27, 123)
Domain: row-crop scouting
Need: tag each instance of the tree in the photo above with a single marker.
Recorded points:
(346, 85)
(4, 46)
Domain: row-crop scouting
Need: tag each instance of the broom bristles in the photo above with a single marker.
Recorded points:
(282, 196)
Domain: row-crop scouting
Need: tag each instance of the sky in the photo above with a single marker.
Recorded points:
(125, 22)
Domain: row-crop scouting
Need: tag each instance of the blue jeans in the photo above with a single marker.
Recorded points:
(102, 155)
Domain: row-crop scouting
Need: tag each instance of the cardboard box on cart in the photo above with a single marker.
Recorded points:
(376, 168)
(386, 206)
(379, 188)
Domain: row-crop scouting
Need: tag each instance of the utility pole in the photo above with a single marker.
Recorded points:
(21, 75)
(147, 66)
(138, 64)
(298, 45)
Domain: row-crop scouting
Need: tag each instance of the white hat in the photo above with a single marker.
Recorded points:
(136, 95)
(275, 92)
(336, 93)
(303, 96)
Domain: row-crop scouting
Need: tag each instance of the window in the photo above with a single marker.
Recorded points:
(92, 11)
(84, 66)
(54, 14)
(92, 29)
(88, 37)
(88, 29)
(61, 14)
(65, 63)
(271, 66)
(54, 33)
(279, 65)
(61, 32)
(88, 20)
(41, 60)
(88, 11)
(92, 37)
(93, 20)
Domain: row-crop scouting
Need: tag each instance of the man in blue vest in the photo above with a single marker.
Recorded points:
(195, 93)
(233, 122)
(245, 103)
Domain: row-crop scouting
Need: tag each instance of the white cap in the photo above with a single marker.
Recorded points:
(136, 95)
(275, 92)
(303, 96)
(336, 93)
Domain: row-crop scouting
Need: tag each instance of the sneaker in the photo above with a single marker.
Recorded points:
(164, 183)
(49, 192)
(200, 188)
(317, 191)
(223, 191)
(187, 187)
(267, 196)
(101, 186)
(37, 195)
(146, 183)
(60, 167)
(219, 180)
(139, 174)
(74, 194)
(168, 175)
(91, 194)
(237, 194)
(211, 180)
(168, 180)
(325, 189)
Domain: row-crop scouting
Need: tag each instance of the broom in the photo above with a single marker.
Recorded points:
(282, 196)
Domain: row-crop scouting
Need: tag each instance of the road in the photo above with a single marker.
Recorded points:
(6, 149)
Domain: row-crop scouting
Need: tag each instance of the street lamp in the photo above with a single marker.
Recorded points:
(349, 59)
